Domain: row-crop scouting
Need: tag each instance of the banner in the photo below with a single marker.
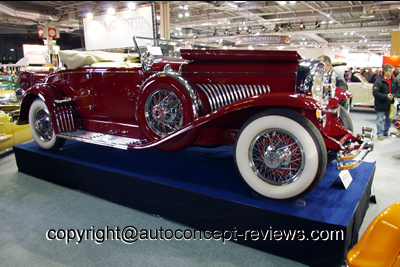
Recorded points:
(117, 31)
(38, 54)
(263, 40)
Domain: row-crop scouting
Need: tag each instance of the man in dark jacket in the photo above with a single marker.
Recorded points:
(385, 89)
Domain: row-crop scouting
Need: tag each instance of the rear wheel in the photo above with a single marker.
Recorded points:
(280, 154)
(42, 128)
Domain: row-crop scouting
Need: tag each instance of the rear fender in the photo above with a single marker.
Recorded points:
(47, 93)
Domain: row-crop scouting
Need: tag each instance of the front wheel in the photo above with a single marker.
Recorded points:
(42, 128)
(280, 154)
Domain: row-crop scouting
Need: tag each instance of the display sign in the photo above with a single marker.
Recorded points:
(52, 32)
(40, 32)
(117, 31)
(263, 40)
(345, 178)
(48, 31)
(38, 54)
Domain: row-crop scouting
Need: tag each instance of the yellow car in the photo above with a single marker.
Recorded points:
(9, 101)
(12, 134)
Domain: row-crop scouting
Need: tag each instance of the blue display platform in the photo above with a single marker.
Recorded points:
(201, 188)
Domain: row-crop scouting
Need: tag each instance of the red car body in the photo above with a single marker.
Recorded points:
(217, 92)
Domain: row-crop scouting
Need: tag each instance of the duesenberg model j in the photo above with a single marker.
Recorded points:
(281, 113)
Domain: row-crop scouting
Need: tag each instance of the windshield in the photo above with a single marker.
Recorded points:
(160, 47)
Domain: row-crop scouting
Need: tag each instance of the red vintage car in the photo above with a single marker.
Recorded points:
(281, 113)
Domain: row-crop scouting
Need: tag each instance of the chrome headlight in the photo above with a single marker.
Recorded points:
(8, 97)
(317, 84)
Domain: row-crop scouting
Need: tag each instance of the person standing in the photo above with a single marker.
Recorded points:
(375, 76)
(350, 74)
(385, 89)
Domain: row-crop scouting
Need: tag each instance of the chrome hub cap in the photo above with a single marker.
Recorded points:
(276, 157)
(163, 112)
(43, 125)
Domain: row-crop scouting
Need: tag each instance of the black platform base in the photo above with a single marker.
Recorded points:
(201, 188)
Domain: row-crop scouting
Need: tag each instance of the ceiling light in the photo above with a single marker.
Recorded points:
(132, 6)
(111, 11)
(245, 28)
(282, 2)
(368, 14)
(186, 7)
(292, 2)
(345, 33)
(365, 40)
(90, 15)
(250, 47)
(323, 22)
(384, 32)
(187, 14)
(331, 21)
(180, 15)
(352, 33)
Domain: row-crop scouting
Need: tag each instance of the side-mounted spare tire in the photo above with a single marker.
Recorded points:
(164, 106)
(280, 154)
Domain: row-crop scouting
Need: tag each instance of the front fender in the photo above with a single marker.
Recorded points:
(340, 94)
(48, 93)
(267, 100)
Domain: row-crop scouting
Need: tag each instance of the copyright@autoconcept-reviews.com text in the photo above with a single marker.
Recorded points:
(130, 235)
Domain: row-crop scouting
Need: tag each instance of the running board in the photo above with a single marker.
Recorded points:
(101, 139)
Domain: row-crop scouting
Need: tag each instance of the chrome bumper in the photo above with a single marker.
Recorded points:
(358, 155)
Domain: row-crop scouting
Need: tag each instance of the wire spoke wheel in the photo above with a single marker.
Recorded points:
(280, 154)
(43, 125)
(163, 112)
(276, 157)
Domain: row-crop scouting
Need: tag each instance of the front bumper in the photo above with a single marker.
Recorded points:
(351, 160)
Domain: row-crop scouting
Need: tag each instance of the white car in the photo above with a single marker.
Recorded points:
(361, 90)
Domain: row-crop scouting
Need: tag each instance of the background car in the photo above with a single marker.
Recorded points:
(281, 114)
(361, 90)
(9, 101)
(12, 134)
(9, 82)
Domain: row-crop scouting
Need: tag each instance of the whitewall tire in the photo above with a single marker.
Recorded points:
(42, 128)
(280, 154)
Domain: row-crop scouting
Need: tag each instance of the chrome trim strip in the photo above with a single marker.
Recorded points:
(239, 92)
(67, 99)
(220, 95)
(225, 93)
(209, 98)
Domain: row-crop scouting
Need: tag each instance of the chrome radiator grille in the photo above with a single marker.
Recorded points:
(64, 117)
(221, 95)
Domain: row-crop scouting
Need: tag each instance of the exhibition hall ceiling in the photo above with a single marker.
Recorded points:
(354, 25)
